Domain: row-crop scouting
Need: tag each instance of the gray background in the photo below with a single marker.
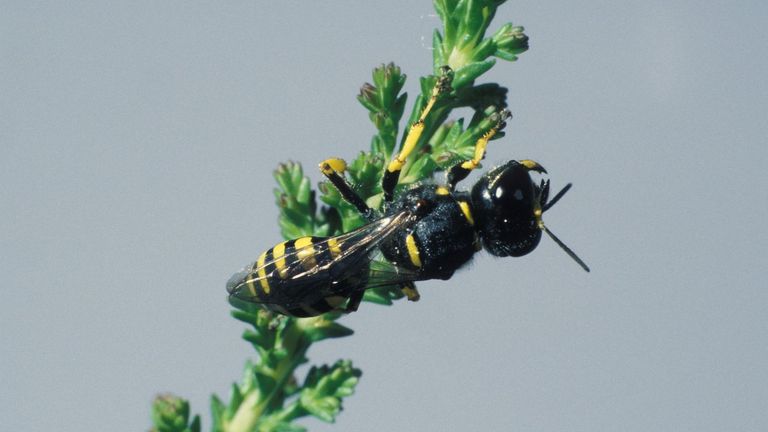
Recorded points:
(136, 148)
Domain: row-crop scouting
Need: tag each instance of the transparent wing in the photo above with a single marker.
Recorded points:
(304, 266)
(385, 273)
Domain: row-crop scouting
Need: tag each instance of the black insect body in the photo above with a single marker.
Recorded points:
(427, 232)
(440, 241)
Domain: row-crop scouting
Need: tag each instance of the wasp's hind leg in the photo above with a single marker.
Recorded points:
(461, 170)
(410, 291)
(333, 170)
(392, 173)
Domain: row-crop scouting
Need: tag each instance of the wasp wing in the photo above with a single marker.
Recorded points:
(332, 258)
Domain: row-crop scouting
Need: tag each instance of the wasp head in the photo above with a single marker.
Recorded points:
(509, 205)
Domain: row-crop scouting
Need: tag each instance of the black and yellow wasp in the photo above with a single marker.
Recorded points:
(427, 232)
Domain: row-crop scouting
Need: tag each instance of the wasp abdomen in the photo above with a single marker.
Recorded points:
(301, 277)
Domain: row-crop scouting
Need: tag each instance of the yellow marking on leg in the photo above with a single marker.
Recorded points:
(414, 133)
(262, 273)
(333, 247)
(480, 147)
(442, 190)
(410, 292)
(442, 85)
(413, 250)
(467, 212)
(277, 254)
(329, 166)
(305, 252)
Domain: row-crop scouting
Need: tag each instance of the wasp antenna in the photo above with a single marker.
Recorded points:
(556, 198)
(562, 245)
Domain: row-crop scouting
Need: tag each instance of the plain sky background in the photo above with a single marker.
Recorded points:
(137, 141)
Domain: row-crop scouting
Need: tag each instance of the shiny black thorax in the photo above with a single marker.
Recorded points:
(443, 237)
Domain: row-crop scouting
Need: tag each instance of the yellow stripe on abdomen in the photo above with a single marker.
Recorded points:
(334, 247)
(277, 254)
(262, 273)
(305, 252)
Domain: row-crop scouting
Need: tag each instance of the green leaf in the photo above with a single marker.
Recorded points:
(471, 72)
(296, 201)
(383, 295)
(171, 414)
(217, 412)
(323, 327)
(325, 387)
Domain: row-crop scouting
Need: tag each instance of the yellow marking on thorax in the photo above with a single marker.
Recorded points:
(413, 250)
(334, 247)
(277, 254)
(442, 190)
(262, 273)
(467, 211)
(305, 252)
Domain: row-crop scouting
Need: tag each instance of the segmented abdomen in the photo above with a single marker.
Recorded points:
(303, 277)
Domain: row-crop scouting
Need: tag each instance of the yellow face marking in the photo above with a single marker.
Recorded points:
(329, 166)
(277, 253)
(467, 212)
(441, 190)
(413, 250)
(305, 252)
(334, 247)
(262, 274)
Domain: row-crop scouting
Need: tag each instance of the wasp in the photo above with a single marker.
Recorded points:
(427, 232)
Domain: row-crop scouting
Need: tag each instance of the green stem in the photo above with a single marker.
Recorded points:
(255, 403)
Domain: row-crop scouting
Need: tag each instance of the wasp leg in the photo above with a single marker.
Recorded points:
(461, 170)
(410, 291)
(392, 173)
(354, 301)
(333, 170)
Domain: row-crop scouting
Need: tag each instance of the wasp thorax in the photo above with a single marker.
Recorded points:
(506, 202)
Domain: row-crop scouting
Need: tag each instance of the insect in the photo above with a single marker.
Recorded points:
(427, 232)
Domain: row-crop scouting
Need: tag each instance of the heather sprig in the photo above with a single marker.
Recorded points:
(269, 396)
